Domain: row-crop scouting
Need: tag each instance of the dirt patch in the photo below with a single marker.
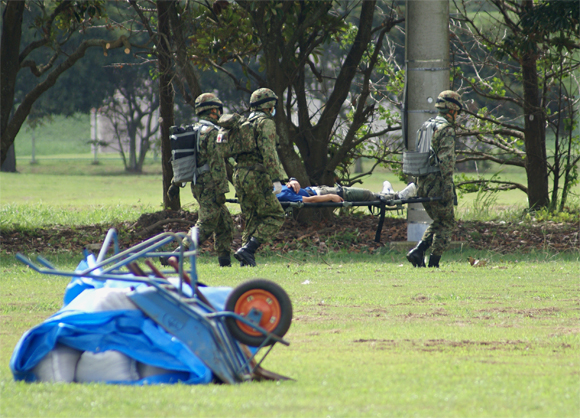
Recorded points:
(530, 313)
(441, 344)
(354, 233)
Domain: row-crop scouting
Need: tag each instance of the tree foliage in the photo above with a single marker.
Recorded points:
(335, 66)
(59, 29)
(320, 65)
(519, 58)
(131, 112)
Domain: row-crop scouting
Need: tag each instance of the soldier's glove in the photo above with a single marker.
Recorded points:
(220, 198)
(277, 187)
(448, 194)
(173, 191)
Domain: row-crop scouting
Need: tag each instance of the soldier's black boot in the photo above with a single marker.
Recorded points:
(225, 260)
(245, 255)
(434, 260)
(417, 255)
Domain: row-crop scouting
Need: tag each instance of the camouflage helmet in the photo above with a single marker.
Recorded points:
(262, 98)
(449, 99)
(207, 101)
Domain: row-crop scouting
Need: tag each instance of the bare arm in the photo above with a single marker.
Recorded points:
(294, 185)
(323, 198)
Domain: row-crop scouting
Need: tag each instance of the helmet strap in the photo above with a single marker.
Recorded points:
(214, 113)
(453, 113)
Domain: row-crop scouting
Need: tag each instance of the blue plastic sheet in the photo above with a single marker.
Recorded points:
(127, 331)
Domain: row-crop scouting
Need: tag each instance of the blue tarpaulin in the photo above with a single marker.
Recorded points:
(127, 331)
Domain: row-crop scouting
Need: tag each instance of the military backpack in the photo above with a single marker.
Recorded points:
(237, 134)
(424, 160)
(184, 142)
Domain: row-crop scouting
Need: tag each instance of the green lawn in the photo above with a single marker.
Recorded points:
(371, 337)
(65, 182)
(60, 135)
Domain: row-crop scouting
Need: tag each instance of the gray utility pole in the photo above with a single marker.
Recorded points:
(427, 74)
(94, 136)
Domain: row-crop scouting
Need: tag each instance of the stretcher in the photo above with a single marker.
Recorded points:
(382, 205)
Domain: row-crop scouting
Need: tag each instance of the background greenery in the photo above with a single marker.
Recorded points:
(64, 174)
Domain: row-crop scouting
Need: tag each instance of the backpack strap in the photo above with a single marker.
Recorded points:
(204, 127)
(252, 119)
(254, 115)
(440, 123)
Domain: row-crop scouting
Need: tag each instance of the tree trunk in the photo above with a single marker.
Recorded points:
(132, 134)
(316, 162)
(184, 65)
(9, 164)
(165, 101)
(144, 147)
(9, 57)
(312, 165)
(535, 136)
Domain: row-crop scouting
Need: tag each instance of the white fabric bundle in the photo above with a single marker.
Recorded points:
(58, 365)
(110, 299)
(147, 370)
(108, 365)
(65, 364)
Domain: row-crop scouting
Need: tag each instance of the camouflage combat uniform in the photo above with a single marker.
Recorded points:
(254, 173)
(440, 183)
(213, 215)
(438, 234)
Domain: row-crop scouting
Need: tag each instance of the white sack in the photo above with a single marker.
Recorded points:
(108, 365)
(146, 370)
(110, 299)
(58, 365)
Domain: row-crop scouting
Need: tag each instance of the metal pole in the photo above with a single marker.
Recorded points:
(427, 73)
(94, 135)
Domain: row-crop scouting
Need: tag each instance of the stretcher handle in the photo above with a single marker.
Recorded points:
(390, 202)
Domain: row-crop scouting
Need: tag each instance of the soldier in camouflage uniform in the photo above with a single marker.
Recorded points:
(438, 234)
(255, 174)
(212, 184)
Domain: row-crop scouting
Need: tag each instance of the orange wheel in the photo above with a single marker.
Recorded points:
(262, 301)
(268, 298)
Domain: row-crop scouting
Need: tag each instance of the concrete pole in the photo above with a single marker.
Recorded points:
(94, 146)
(427, 65)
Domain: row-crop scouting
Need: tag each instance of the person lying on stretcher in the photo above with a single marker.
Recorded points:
(292, 192)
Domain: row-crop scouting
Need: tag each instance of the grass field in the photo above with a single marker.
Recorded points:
(58, 190)
(370, 337)
(71, 180)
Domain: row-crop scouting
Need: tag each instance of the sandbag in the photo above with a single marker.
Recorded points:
(111, 299)
(91, 321)
(58, 365)
(147, 370)
(110, 365)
